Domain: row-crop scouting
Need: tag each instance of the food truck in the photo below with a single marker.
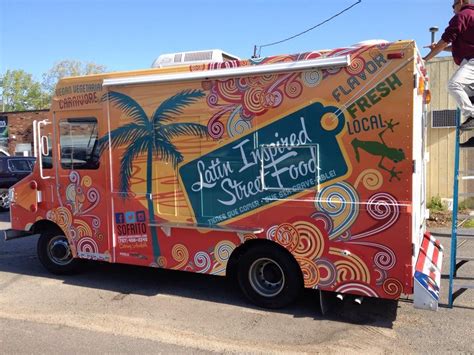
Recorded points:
(291, 172)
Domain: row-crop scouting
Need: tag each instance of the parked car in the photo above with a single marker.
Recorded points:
(12, 170)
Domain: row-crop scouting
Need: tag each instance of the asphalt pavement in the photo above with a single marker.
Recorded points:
(125, 309)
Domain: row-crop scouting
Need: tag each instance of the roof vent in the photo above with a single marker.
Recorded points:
(196, 57)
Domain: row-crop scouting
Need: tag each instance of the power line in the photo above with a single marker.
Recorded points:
(301, 33)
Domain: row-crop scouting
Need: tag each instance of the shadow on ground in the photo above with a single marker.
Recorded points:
(19, 257)
(4, 216)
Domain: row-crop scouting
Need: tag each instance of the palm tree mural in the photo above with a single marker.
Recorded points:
(151, 136)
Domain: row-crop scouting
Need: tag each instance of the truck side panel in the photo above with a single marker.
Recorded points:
(318, 161)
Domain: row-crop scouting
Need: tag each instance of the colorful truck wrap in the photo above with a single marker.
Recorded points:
(302, 170)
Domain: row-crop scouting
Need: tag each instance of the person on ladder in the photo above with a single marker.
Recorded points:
(458, 38)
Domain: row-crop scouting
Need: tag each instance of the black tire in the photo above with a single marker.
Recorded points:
(269, 277)
(4, 200)
(55, 254)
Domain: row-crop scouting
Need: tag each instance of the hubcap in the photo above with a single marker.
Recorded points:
(59, 251)
(266, 277)
(4, 201)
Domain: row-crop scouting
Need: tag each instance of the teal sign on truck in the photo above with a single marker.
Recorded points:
(292, 154)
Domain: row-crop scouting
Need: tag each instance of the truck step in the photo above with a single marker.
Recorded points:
(461, 288)
(463, 285)
(465, 236)
(468, 258)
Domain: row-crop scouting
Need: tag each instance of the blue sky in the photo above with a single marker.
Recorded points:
(130, 34)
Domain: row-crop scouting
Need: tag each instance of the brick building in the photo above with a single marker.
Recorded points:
(16, 130)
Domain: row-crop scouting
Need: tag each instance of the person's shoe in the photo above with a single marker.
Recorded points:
(468, 144)
(469, 124)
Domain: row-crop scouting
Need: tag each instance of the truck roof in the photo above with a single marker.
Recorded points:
(86, 92)
(211, 66)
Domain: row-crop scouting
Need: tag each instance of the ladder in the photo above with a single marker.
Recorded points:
(458, 285)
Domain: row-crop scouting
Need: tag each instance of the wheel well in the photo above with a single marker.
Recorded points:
(45, 226)
(231, 269)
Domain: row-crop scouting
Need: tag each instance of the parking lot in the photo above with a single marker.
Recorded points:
(118, 308)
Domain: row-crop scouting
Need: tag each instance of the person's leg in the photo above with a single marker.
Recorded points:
(460, 86)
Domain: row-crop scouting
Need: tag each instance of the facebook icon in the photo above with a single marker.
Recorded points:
(119, 218)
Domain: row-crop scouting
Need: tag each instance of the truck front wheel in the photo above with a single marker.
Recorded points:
(55, 254)
(269, 276)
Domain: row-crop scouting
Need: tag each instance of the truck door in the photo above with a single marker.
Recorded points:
(82, 206)
(43, 144)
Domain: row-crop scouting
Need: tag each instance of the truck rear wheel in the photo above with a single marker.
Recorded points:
(269, 277)
(55, 254)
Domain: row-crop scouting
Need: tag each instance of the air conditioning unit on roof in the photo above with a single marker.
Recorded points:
(196, 57)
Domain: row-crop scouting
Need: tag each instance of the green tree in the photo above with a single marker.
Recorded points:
(20, 92)
(66, 68)
(151, 136)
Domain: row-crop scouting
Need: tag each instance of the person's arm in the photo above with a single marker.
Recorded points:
(436, 49)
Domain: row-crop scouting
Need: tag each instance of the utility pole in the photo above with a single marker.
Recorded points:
(433, 31)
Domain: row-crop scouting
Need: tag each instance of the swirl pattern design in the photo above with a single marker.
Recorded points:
(310, 272)
(63, 217)
(223, 250)
(384, 208)
(287, 236)
(340, 201)
(393, 287)
(325, 219)
(252, 96)
(312, 78)
(306, 242)
(180, 254)
(385, 259)
(86, 181)
(86, 247)
(236, 125)
(310, 242)
(83, 228)
(357, 66)
(327, 272)
(74, 177)
(74, 218)
(161, 262)
(371, 179)
(202, 260)
(381, 278)
(350, 267)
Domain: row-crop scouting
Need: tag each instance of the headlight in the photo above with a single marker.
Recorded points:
(11, 194)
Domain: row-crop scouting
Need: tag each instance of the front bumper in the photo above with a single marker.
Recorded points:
(10, 234)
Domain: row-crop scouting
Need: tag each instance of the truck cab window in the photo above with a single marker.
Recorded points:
(79, 143)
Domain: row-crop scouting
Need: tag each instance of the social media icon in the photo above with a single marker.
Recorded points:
(119, 218)
(130, 217)
(141, 217)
